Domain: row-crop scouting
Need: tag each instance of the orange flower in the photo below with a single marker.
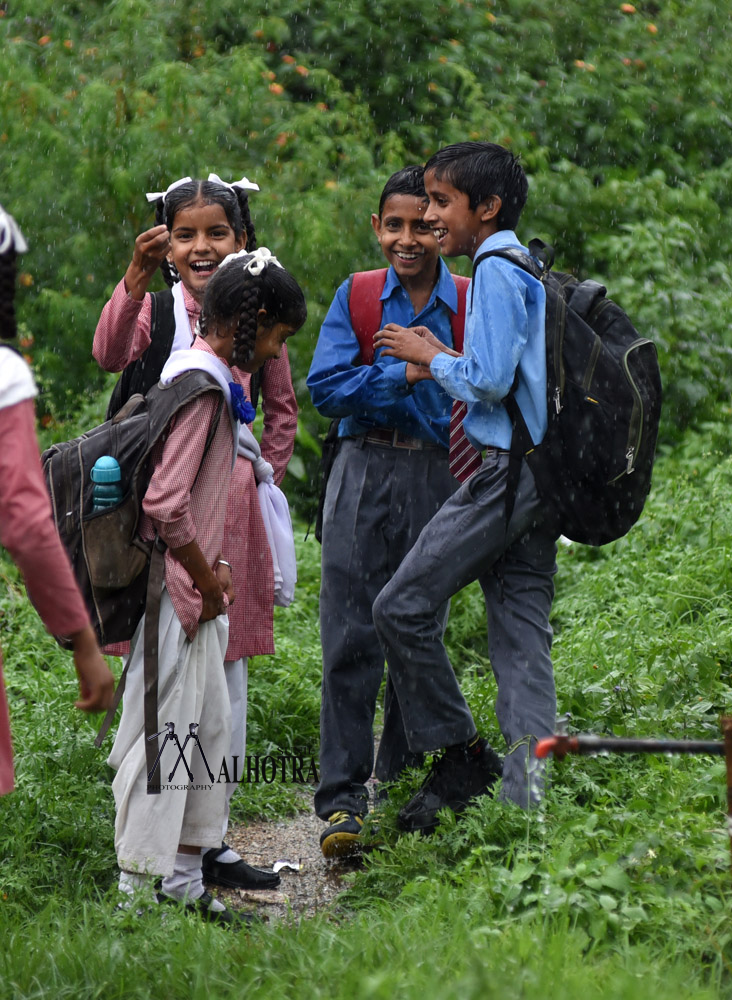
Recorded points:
(276, 88)
(288, 59)
(25, 279)
(68, 44)
(302, 70)
(651, 29)
(628, 8)
(44, 40)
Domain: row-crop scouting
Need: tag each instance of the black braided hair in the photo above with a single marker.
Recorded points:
(235, 203)
(8, 327)
(234, 292)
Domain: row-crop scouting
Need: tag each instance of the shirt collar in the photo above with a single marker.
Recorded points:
(193, 307)
(199, 344)
(444, 290)
(503, 238)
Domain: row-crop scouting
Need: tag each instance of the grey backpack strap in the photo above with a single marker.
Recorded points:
(150, 636)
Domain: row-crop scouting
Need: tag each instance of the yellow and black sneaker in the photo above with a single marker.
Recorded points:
(342, 836)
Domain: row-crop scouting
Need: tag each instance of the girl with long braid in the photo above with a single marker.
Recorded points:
(198, 224)
(251, 306)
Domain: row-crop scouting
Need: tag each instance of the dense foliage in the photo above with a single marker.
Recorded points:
(618, 887)
(619, 112)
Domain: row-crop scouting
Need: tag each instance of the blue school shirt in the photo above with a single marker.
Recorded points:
(504, 333)
(377, 395)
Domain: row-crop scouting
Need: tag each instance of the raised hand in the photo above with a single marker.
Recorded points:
(151, 249)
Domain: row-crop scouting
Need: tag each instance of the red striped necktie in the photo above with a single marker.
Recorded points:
(465, 460)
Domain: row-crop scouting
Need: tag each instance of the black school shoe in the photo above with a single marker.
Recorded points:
(234, 920)
(454, 779)
(237, 875)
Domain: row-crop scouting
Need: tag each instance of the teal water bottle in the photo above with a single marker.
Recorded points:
(106, 476)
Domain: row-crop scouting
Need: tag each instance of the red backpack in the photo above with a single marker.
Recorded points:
(366, 307)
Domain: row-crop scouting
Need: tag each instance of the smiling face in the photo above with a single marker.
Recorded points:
(200, 238)
(407, 241)
(459, 228)
(268, 343)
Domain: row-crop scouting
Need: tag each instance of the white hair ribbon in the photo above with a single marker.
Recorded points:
(257, 259)
(10, 234)
(155, 195)
(244, 183)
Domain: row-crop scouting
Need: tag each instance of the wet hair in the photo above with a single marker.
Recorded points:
(482, 169)
(233, 291)
(8, 327)
(235, 203)
(408, 180)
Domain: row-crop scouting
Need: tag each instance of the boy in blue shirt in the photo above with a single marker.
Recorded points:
(477, 191)
(389, 477)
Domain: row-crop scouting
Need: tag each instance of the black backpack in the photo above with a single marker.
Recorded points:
(109, 560)
(142, 374)
(593, 467)
(119, 574)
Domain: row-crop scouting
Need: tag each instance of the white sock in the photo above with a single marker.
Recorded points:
(227, 856)
(138, 886)
(186, 882)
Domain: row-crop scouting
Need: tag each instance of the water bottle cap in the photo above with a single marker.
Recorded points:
(106, 470)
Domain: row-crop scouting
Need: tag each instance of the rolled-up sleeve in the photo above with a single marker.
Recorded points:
(123, 330)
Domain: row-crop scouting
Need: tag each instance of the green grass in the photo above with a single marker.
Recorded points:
(619, 886)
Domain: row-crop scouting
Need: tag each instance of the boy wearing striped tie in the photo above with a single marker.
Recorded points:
(477, 191)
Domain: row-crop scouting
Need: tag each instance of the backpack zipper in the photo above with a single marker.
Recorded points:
(635, 433)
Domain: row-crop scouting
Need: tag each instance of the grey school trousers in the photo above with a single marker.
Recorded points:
(463, 542)
(378, 500)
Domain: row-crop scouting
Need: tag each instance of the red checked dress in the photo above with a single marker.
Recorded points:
(122, 334)
(26, 529)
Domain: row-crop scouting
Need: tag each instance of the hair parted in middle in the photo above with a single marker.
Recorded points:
(482, 169)
(240, 289)
(234, 201)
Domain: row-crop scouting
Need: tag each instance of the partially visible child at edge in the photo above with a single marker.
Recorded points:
(251, 306)
(390, 476)
(200, 222)
(477, 191)
(26, 525)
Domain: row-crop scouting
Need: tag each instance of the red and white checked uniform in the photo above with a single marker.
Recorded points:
(184, 504)
(122, 334)
(27, 531)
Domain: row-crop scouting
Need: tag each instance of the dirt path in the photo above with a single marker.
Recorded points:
(301, 893)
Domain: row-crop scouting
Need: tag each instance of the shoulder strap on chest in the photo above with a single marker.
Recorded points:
(365, 307)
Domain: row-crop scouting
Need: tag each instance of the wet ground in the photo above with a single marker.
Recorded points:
(315, 886)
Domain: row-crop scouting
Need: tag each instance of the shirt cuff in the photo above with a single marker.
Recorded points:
(395, 380)
(440, 366)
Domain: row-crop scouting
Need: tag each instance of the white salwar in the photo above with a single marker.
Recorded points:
(191, 688)
(237, 681)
